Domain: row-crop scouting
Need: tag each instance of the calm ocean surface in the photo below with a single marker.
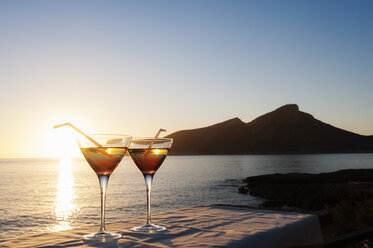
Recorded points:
(39, 195)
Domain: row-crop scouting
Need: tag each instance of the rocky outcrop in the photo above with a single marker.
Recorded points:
(311, 191)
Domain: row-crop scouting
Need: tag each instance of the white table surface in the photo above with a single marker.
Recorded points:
(205, 226)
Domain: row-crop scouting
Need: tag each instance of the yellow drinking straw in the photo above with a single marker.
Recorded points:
(89, 138)
(79, 131)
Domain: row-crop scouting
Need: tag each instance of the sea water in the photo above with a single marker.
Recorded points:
(44, 195)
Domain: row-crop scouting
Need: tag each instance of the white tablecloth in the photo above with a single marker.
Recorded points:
(205, 226)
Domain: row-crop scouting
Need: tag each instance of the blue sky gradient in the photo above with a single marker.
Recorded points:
(135, 66)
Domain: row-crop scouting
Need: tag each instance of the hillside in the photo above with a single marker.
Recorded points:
(284, 130)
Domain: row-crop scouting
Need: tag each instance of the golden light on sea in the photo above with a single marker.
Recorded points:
(65, 207)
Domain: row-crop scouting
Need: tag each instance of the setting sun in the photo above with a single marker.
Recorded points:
(62, 143)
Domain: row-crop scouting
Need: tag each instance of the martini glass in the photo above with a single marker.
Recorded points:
(148, 154)
(103, 153)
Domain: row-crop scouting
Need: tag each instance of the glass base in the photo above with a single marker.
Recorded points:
(149, 228)
(102, 236)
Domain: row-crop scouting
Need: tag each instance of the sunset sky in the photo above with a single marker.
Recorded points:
(133, 67)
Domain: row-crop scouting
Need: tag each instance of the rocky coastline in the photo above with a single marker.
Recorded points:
(346, 194)
(311, 191)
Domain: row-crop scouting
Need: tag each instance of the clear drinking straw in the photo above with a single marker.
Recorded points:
(156, 136)
(153, 141)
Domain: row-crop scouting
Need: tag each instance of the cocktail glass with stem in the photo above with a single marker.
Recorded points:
(103, 155)
(148, 154)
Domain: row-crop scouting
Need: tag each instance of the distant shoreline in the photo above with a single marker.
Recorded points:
(290, 153)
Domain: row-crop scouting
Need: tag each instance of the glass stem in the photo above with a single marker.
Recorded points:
(148, 182)
(103, 186)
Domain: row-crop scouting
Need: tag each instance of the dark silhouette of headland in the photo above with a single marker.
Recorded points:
(285, 130)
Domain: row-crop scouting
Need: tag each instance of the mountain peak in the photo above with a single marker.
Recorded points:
(288, 108)
(234, 120)
(231, 122)
(284, 130)
(284, 114)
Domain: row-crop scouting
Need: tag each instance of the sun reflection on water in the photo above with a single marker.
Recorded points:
(65, 206)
